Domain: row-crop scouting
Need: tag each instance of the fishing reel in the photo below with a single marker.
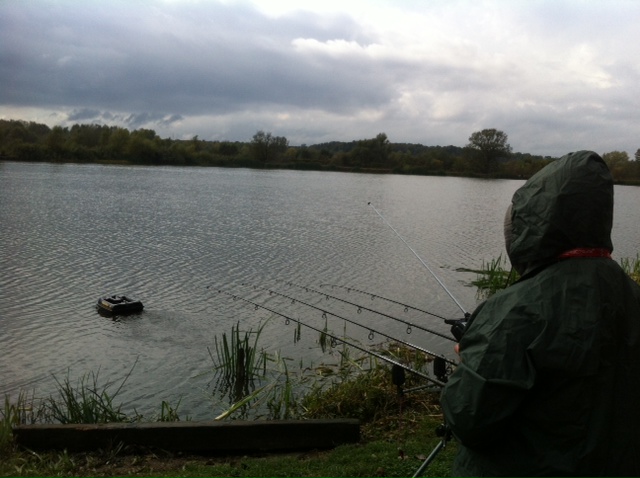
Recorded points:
(443, 431)
(458, 326)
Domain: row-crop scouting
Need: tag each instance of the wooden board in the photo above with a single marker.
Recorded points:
(198, 437)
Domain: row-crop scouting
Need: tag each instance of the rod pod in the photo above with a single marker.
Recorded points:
(444, 432)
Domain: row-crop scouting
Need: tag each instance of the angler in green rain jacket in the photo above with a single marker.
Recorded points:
(549, 379)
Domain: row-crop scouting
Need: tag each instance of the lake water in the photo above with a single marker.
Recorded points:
(173, 237)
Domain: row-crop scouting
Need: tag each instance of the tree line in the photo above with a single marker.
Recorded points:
(488, 153)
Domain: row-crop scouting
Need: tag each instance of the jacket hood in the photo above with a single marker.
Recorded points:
(566, 205)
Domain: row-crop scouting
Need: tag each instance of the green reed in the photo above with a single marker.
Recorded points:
(86, 401)
(237, 359)
(281, 401)
(12, 414)
(283, 391)
(631, 267)
(24, 410)
(168, 413)
(495, 275)
(498, 274)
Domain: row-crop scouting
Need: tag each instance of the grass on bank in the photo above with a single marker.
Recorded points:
(632, 267)
(497, 274)
(398, 433)
(378, 457)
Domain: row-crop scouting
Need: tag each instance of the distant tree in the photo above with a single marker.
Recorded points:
(371, 152)
(142, 147)
(149, 134)
(18, 133)
(635, 166)
(290, 155)
(56, 141)
(39, 130)
(304, 152)
(523, 166)
(488, 146)
(85, 135)
(618, 162)
(228, 149)
(118, 142)
(178, 152)
(266, 148)
(196, 145)
(615, 158)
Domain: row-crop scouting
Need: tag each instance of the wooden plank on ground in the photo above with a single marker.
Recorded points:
(197, 437)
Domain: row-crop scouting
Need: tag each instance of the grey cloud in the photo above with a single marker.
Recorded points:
(138, 120)
(191, 58)
(132, 120)
(170, 119)
(84, 114)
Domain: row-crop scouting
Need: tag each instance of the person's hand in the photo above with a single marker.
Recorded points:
(456, 348)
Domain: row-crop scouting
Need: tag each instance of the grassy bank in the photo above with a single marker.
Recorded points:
(398, 432)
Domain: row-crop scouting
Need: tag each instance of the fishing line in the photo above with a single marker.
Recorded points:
(371, 330)
(338, 339)
(421, 261)
(360, 308)
(376, 296)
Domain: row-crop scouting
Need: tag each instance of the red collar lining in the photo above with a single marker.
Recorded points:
(585, 252)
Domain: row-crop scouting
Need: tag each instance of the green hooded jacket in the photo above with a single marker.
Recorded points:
(549, 379)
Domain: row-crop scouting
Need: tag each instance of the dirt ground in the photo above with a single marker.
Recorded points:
(154, 463)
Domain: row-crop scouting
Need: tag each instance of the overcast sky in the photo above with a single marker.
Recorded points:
(554, 75)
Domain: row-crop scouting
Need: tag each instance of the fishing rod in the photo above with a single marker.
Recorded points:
(336, 339)
(371, 330)
(421, 261)
(376, 296)
(360, 308)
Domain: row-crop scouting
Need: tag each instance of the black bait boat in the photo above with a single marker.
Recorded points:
(119, 304)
